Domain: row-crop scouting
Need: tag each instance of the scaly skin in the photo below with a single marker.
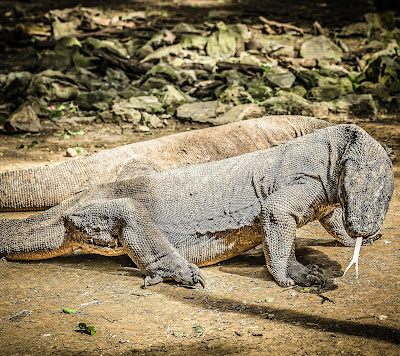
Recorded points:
(171, 222)
(44, 187)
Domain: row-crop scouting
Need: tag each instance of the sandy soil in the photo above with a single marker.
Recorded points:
(241, 310)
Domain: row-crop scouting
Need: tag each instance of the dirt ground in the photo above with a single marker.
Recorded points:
(241, 310)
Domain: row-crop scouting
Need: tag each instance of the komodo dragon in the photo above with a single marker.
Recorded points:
(43, 187)
(168, 222)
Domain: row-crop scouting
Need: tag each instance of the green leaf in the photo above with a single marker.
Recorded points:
(265, 67)
(56, 114)
(198, 330)
(270, 299)
(69, 311)
(305, 290)
(80, 132)
(79, 150)
(66, 137)
(59, 112)
(33, 144)
(91, 330)
(77, 43)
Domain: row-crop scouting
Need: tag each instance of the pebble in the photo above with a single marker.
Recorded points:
(142, 128)
(71, 152)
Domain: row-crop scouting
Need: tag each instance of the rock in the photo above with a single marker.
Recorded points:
(193, 41)
(71, 152)
(283, 51)
(356, 104)
(53, 86)
(142, 128)
(236, 95)
(130, 92)
(233, 77)
(310, 78)
(227, 40)
(152, 120)
(16, 84)
(39, 105)
(272, 44)
(201, 111)
(151, 84)
(171, 97)
(57, 59)
(356, 29)
(88, 101)
(298, 90)
(335, 70)
(116, 78)
(148, 103)
(163, 52)
(282, 80)
(63, 29)
(285, 103)
(113, 44)
(385, 70)
(375, 89)
(321, 47)
(375, 45)
(145, 51)
(239, 113)
(126, 112)
(259, 91)
(384, 20)
(155, 122)
(222, 43)
(330, 88)
(164, 69)
(322, 109)
(24, 119)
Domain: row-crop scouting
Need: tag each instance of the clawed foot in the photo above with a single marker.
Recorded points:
(188, 275)
(307, 276)
(316, 276)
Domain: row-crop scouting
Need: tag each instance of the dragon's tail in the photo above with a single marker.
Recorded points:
(38, 236)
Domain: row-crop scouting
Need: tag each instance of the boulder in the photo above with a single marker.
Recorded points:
(126, 112)
(91, 100)
(236, 95)
(375, 89)
(282, 80)
(321, 47)
(148, 103)
(285, 103)
(24, 119)
(201, 112)
(356, 104)
(356, 29)
(239, 113)
(171, 98)
(53, 86)
(385, 70)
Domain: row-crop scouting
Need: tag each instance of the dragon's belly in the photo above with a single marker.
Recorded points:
(207, 249)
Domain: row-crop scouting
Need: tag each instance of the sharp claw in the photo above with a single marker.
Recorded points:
(145, 283)
(202, 282)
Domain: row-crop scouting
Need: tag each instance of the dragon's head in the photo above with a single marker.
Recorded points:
(366, 184)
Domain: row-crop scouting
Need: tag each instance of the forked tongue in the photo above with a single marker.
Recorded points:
(355, 256)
